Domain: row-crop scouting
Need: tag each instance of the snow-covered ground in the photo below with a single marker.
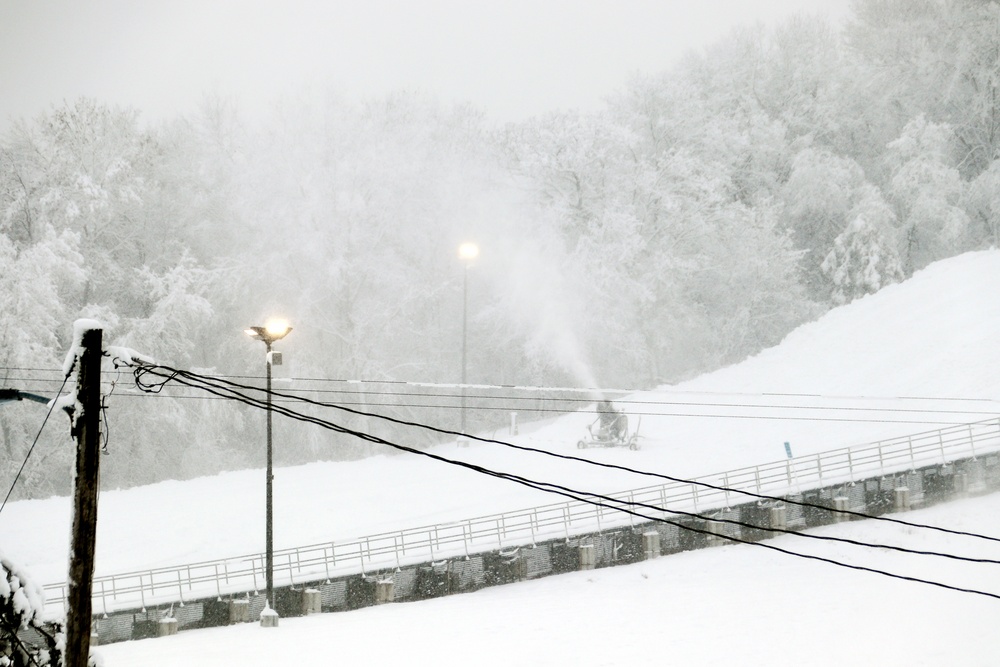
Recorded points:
(914, 357)
(734, 605)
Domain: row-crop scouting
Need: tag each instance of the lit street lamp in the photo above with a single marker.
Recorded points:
(274, 331)
(467, 252)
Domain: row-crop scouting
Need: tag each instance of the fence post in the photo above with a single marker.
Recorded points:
(960, 484)
(239, 611)
(901, 499)
(385, 591)
(104, 599)
(840, 505)
(778, 517)
(312, 601)
(651, 544)
(588, 556)
(714, 528)
(166, 627)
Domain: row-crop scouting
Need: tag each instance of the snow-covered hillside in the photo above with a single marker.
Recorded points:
(911, 358)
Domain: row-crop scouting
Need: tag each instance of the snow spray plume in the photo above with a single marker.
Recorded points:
(541, 302)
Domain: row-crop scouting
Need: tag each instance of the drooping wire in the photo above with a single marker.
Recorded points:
(224, 384)
(624, 506)
(586, 497)
(256, 402)
(52, 405)
(587, 461)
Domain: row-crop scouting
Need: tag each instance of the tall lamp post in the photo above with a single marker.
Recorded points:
(467, 252)
(273, 331)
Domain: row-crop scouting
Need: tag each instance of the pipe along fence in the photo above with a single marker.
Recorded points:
(244, 574)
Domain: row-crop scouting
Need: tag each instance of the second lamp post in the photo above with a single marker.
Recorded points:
(467, 252)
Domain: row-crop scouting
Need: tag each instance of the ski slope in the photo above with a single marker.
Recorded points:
(914, 357)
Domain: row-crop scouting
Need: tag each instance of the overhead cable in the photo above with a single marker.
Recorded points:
(172, 373)
(587, 497)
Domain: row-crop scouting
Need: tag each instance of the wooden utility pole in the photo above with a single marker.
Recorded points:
(86, 430)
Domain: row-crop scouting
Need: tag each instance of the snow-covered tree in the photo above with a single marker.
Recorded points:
(818, 196)
(862, 262)
(983, 202)
(37, 286)
(927, 191)
(21, 606)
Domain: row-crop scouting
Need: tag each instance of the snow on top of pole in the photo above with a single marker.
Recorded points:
(125, 355)
(76, 348)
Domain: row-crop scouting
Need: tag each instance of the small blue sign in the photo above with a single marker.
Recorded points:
(788, 450)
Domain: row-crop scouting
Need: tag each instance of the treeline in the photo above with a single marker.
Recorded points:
(695, 220)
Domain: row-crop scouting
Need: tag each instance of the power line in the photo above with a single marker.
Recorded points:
(587, 497)
(52, 405)
(764, 417)
(175, 372)
(615, 504)
(694, 415)
(591, 391)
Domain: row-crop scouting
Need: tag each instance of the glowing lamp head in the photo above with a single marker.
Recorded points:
(272, 331)
(468, 251)
(277, 329)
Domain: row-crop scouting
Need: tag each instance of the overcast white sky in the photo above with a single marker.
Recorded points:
(513, 58)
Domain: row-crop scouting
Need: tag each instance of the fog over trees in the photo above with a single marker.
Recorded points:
(699, 217)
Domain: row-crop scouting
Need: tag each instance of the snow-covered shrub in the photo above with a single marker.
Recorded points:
(21, 605)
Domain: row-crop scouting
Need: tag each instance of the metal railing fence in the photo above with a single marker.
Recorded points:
(378, 553)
